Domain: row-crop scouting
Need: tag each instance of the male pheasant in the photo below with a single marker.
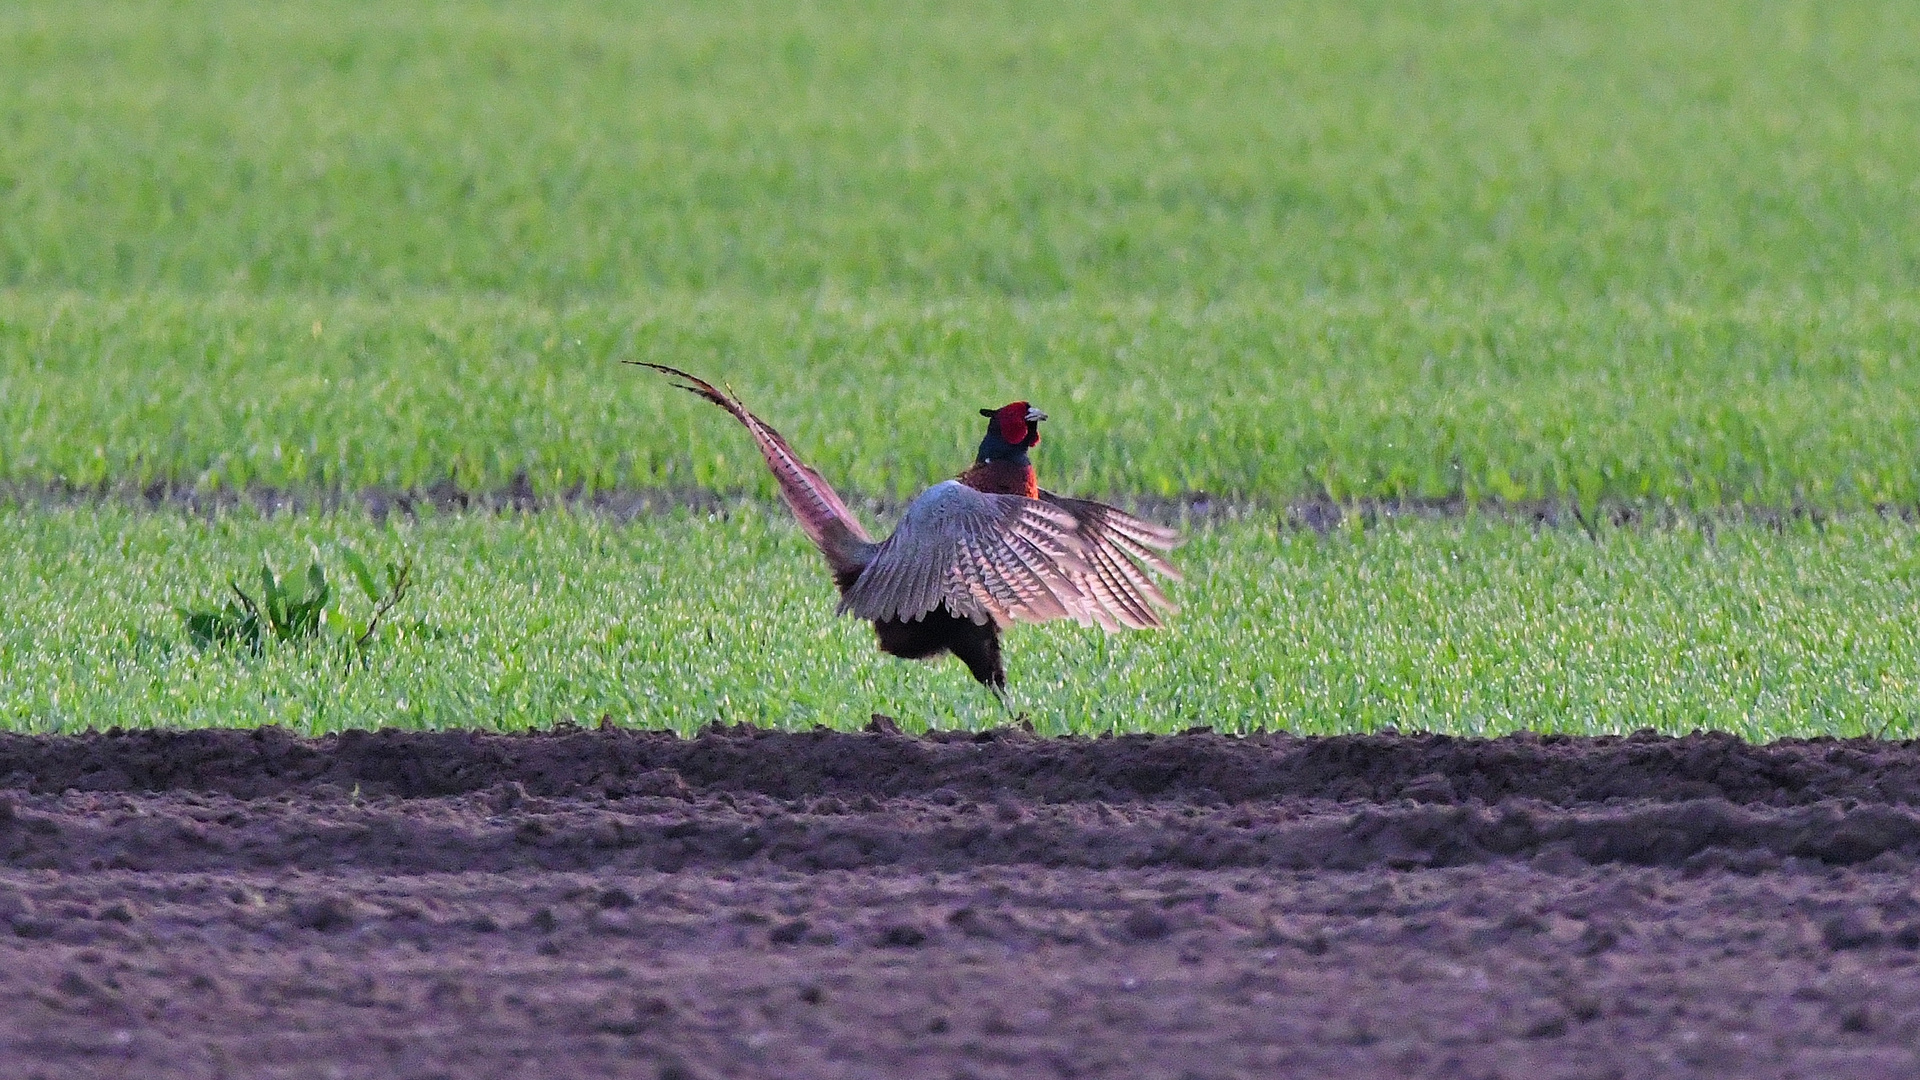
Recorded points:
(975, 553)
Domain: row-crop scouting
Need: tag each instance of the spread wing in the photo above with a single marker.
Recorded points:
(1120, 594)
(998, 558)
(823, 516)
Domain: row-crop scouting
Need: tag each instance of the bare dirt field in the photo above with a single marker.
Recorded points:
(747, 904)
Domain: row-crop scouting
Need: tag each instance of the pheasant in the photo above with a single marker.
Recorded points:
(975, 553)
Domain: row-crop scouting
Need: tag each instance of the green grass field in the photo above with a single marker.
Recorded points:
(566, 148)
(1498, 251)
(1470, 626)
(1771, 404)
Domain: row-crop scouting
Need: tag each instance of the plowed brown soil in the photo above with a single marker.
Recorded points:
(746, 904)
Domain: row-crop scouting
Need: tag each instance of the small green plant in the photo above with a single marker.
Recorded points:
(280, 615)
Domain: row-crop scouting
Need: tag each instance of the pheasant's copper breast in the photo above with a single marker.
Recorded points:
(1003, 478)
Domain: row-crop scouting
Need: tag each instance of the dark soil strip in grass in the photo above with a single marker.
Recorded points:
(1314, 514)
(752, 904)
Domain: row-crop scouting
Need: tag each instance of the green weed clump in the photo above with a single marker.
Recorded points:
(280, 615)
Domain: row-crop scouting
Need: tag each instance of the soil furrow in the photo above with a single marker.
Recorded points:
(1508, 969)
(1197, 768)
(166, 833)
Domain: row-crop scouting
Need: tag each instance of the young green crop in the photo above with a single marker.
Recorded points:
(1779, 403)
(1500, 250)
(1474, 626)
(559, 148)
(1611, 249)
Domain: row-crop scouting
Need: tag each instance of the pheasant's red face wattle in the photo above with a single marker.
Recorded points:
(1014, 425)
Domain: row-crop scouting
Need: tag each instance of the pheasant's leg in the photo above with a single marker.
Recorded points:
(978, 647)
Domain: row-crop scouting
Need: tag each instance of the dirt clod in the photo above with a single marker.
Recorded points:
(1849, 930)
(1857, 1019)
(903, 937)
(1145, 924)
(327, 914)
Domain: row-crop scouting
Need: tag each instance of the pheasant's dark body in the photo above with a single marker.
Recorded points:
(941, 631)
(974, 553)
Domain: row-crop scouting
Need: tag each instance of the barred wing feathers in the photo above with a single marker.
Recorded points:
(987, 558)
(1121, 595)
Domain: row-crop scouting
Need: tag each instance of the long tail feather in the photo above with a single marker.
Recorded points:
(822, 515)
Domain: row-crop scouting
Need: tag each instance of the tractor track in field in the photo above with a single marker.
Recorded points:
(1316, 514)
(756, 904)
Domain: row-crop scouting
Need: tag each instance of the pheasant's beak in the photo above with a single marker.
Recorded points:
(1034, 415)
